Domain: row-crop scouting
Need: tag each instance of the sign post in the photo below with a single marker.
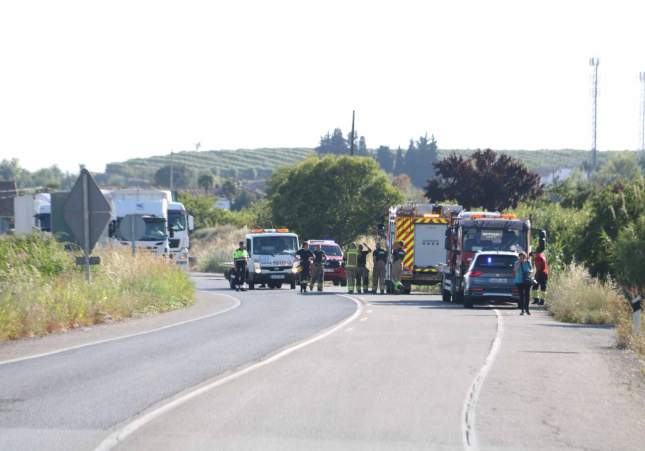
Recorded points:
(132, 228)
(87, 213)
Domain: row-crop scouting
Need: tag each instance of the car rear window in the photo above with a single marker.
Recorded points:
(495, 261)
(331, 250)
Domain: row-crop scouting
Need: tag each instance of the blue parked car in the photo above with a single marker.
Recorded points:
(490, 278)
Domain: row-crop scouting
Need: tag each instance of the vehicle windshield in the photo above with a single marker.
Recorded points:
(495, 262)
(155, 229)
(271, 245)
(482, 239)
(331, 250)
(176, 221)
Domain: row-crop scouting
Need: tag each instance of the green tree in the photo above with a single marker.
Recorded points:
(399, 162)
(629, 249)
(335, 197)
(243, 200)
(182, 176)
(206, 181)
(385, 158)
(623, 167)
(229, 189)
(334, 143)
(419, 160)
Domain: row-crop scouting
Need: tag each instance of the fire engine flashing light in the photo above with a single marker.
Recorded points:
(270, 231)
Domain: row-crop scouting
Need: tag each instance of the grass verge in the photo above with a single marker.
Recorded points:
(576, 297)
(41, 291)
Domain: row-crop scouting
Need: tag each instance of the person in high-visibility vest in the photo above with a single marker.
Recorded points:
(240, 258)
(351, 266)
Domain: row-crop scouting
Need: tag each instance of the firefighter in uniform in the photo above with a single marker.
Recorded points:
(240, 259)
(398, 254)
(318, 269)
(378, 275)
(351, 264)
(362, 273)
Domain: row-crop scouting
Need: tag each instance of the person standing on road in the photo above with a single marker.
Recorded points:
(305, 256)
(378, 274)
(351, 263)
(541, 278)
(523, 281)
(398, 255)
(318, 269)
(240, 259)
(362, 273)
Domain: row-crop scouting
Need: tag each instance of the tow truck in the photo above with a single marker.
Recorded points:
(471, 232)
(272, 254)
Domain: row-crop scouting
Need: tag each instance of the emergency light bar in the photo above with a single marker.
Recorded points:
(270, 231)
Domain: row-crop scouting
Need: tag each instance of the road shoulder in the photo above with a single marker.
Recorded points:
(206, 304)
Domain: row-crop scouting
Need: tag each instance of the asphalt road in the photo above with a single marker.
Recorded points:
(408, 373)
(71, 400)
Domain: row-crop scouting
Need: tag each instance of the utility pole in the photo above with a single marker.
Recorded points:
(593, 62)
(172, 172)
(642, 79)
(351, 144)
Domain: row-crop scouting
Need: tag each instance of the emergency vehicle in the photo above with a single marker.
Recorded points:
(271, 258)
(473, 232)
(422, 229)
(334, 269)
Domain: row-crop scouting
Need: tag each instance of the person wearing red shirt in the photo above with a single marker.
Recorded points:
(541, 278)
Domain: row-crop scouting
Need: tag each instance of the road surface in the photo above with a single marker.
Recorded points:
(408, 372)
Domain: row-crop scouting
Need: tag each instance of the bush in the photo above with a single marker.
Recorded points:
(576, 297)
(36, 299)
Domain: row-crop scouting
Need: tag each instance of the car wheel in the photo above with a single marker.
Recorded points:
(406, 288)
(445, 296)
(468, 302)
(278, 285)
(343, 283)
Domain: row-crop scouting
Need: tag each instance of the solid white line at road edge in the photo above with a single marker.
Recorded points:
(118, 436)
(123, 337)
(472, 398)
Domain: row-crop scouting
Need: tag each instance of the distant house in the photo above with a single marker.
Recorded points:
(223, 203)
(7, 193)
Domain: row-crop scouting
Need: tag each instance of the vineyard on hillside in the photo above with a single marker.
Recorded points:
(258, 164)
(244, 163)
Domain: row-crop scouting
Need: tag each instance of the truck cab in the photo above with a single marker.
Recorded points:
(180, 223)
(473, 232)
(152, 205)
(271, 258)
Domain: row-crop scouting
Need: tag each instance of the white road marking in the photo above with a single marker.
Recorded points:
(123, 337)
(370, 311)
(363, 319)
(472, 398)
(119, 435)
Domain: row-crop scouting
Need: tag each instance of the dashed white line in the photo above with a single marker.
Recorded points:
(119, 435)
(472, 398)
(123, 337)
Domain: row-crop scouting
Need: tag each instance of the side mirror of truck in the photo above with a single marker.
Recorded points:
(191, 223)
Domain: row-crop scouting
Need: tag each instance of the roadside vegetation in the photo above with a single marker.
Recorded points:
(213, 247)
(596, 246)
(42, 291)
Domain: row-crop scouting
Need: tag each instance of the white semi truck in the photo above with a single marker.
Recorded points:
(32, 213)
(153, 206)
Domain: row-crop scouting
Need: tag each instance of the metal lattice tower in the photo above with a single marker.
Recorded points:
(593, 62)
(642, 79)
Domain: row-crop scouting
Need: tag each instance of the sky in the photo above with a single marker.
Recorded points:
(88, 82)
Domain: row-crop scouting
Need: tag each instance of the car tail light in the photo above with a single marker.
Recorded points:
(476, 289)
(475, 273)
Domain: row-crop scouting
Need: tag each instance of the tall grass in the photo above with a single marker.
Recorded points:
(213, 247)
(41, 291)
(576, 297)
